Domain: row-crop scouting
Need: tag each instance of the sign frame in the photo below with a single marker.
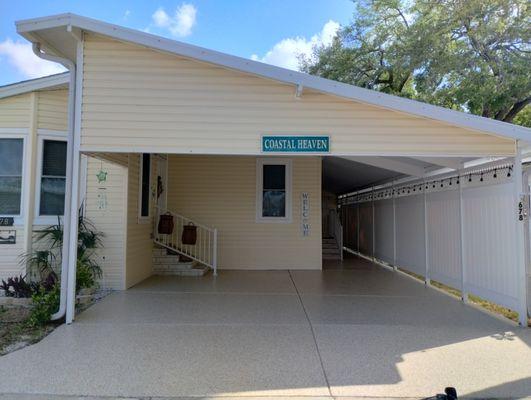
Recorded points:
(296, 150)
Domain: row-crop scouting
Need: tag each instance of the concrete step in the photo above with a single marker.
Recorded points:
(180, 266)
(198, 270)
(331, 251)
(330, 245)
(331, 257)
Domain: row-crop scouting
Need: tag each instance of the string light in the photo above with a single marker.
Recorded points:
(425, 186)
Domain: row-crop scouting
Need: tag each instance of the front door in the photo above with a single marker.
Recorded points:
(162, 182)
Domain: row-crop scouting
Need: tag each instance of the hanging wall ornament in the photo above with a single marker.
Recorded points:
(101, 176)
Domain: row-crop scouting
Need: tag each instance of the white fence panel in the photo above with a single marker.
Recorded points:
(490, 260)
(444, 237)
(383, 230)
(366, 227)
(410, 238)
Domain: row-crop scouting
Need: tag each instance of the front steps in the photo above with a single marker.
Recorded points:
(331, 250)
(167, 263)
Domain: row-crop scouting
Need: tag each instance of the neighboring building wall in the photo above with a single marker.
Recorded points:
(15, 114)
(40, 114)
(139, 241)
(136, 98)
(105, 208)
(53, 110)
(220, 192)
(15, 111)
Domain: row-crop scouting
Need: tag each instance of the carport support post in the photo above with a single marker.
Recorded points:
(426, 248)
(373, 227)
(395, 268)
(358, 227)
(464, 293)
(520, 236)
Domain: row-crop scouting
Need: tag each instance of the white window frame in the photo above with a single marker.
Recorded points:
(18, 219)
(260, 162)
(42, 136)
(142, 219)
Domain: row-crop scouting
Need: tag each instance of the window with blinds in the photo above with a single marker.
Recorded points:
(53, 178)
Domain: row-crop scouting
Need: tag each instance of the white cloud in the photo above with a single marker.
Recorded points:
(287, 52)
(20, 55)
(127, 13)
(180, 24)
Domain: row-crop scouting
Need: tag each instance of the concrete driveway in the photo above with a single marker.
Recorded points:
(361, 331)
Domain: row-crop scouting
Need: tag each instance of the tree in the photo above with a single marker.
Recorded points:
(469, 55)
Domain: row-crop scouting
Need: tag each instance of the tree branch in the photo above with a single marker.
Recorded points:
(515, 109)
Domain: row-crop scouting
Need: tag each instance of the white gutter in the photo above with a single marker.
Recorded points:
(67, 223)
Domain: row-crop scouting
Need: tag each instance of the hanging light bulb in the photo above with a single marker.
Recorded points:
(509, 172)
(481, 179)
(495, 174)
(470, 178)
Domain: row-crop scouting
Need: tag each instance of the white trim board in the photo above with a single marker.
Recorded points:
(29, 29)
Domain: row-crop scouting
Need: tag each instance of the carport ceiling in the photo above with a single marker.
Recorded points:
(347, 174)
(343, 176)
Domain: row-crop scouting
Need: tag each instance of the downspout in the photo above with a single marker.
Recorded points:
(68, 187)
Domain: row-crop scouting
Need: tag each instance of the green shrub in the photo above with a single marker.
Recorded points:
(45, 303)
(84, 277)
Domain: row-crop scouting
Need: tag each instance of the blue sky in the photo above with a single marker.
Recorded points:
(272, 31)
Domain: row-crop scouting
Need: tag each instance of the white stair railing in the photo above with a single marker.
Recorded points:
(205, 249)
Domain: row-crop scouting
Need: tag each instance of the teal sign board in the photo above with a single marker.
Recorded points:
(295, 144)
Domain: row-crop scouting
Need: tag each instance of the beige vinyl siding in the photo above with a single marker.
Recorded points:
(139, 242)
(111, 220)
(10, 255)
(135, 97)
(53, 110)
(15, 111)
(220, 192)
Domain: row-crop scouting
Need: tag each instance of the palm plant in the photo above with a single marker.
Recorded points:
(46, 262)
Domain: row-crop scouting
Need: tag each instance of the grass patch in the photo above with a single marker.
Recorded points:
(487, 305)
(15, 330)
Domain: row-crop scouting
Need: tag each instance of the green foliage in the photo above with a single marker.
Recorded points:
(46, 264)
(524, 117)
(45, 303)
(84, 277)
(470, 55)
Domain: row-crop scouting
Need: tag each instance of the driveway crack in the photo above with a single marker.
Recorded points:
(313, 334)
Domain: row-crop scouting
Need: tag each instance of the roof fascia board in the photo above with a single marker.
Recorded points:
(34, 85)
(379, 99)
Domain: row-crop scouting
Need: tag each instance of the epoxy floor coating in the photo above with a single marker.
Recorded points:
(355, 331)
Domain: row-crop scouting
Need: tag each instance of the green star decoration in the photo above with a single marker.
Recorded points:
(102, 176)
